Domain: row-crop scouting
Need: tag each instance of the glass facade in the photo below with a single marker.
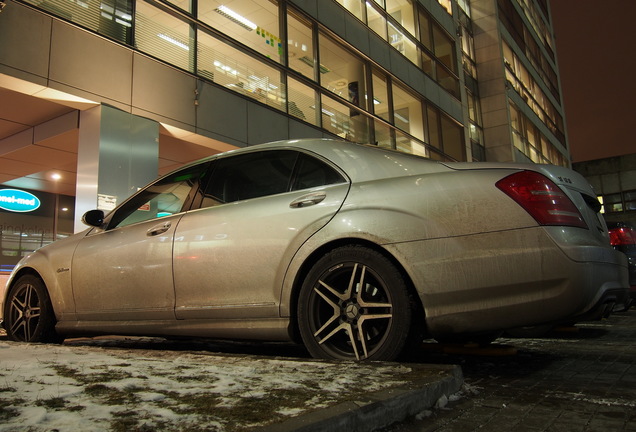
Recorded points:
(531, 142)
(22, 232)
(110, 18)
(619, 202)
(273, 53)
(521, 80)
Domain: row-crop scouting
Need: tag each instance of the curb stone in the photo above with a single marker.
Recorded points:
(378, 409)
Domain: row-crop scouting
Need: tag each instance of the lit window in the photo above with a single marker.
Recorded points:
(353, 6)
(344, 72)
(163, 36)
(612, 203)
(407, 112)
(347, 123)
(376, 21)
(300, 48)
(380, 95)
(239, 72)
(302, 102)
(402, 12)
(250, 22)
(446, 4)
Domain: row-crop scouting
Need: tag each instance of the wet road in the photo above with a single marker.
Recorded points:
(575, 379)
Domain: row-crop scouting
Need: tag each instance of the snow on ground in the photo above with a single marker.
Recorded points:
(98, 386)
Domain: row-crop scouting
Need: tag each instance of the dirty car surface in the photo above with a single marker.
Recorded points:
(353, 250)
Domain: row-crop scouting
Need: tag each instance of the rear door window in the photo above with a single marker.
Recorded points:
(250, 176)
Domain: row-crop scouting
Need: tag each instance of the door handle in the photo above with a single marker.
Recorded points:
(159, 229)
(308, 200)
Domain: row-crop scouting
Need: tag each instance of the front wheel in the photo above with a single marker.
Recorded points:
(28, 313)
(354, 305)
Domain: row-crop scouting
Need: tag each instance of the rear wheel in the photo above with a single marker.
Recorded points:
(354, 304)
(28, 312)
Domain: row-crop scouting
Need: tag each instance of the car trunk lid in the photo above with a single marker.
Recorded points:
(573, 185)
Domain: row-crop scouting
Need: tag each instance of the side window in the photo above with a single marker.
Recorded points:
(250, 175)
(163, 198)
(311, 172)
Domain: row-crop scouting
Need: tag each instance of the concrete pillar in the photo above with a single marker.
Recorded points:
(492, 82)
(118, 153)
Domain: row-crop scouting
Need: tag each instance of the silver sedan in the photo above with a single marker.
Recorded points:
(356, 251)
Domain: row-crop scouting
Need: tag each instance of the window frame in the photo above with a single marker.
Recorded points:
(116, 217)
(299, 157)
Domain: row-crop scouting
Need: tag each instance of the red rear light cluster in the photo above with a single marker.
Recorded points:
(542, 198)
(622, 236)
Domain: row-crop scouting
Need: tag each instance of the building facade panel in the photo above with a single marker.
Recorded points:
(223, 113)
(165, 92)
(264, 125)
(27, 56)
(91, 63)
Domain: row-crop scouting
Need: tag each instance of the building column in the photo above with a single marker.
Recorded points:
(492, 82)
(118, 153)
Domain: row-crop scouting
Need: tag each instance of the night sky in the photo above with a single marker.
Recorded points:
(595, 41)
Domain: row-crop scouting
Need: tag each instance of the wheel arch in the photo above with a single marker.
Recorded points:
(310, 261)
(43, 330)
(15, 277)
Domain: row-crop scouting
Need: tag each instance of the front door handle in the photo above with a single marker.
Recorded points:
(308, 200)
(159, 229)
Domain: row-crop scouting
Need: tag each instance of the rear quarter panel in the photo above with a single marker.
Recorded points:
(477, 260)
(416, 208)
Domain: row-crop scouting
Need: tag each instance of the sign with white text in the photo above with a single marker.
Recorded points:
(19, 201)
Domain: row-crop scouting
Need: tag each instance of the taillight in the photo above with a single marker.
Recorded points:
(622, 236)
(542, 198)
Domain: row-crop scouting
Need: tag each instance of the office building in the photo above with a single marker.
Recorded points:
(98, 97)
(614, 180)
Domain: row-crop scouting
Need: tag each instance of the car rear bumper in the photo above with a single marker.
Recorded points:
(501, 280)
(616, 300)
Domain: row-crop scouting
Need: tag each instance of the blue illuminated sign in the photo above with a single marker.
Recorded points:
(15, 200)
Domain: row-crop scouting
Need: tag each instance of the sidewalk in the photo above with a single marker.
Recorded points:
(140, 384)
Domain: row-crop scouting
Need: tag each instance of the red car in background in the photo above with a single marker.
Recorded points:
(623, 239)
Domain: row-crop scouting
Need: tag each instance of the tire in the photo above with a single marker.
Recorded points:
(28, 313)
(338, 320)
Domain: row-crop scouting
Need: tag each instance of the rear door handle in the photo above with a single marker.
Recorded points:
(159, 229)
(310, 199)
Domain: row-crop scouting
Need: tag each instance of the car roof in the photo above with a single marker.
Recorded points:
(361, 162)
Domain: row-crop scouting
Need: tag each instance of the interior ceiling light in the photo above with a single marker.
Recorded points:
(236, 18)
(401, 118)
(310, 62)
(174, 41)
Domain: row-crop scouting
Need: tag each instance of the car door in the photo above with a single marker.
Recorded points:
(124, 272)
(259, 208)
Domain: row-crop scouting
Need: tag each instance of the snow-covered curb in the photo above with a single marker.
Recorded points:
(97, 388)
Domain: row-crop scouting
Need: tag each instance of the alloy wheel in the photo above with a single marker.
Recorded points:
(24, 312)
(350, 311)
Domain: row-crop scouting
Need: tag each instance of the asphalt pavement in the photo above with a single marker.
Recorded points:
(574, 379)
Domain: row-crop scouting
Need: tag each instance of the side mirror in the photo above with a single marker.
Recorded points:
(93, 218)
